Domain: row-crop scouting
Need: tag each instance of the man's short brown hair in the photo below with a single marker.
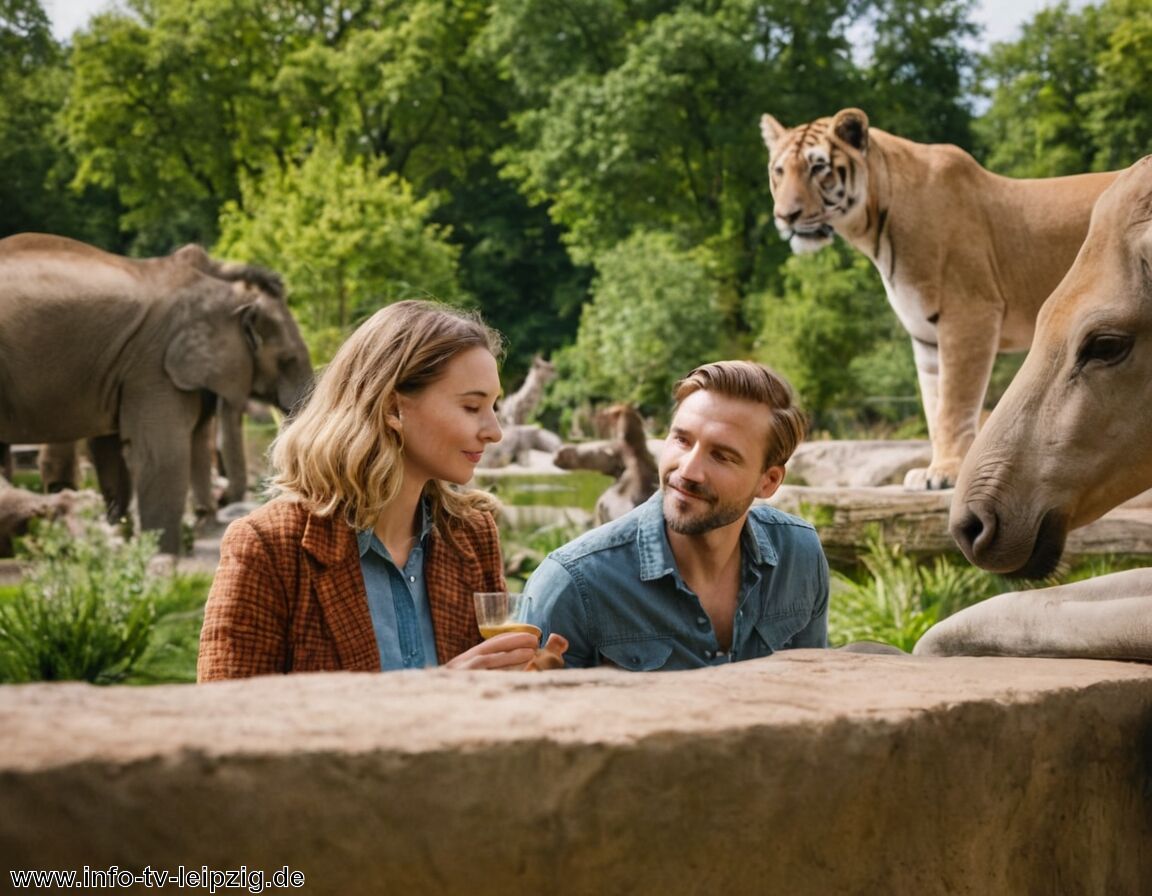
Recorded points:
(752, 381)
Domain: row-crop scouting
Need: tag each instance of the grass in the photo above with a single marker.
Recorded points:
(526, 547)
(894, 598)
(171, 654)
(170, 657)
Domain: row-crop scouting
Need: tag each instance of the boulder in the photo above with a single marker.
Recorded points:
(19, 506)
(853, 463)
(808, 773)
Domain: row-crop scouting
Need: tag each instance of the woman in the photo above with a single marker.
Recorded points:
(367, 557)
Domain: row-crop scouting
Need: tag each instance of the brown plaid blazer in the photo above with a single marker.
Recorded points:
(288, 595)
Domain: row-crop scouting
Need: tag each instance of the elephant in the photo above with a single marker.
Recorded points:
(59, 468)
(139, 349)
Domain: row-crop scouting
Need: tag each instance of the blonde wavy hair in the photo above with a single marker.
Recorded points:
(337, 454)
(751, 381)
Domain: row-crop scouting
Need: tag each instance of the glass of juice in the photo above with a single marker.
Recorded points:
(503, 611)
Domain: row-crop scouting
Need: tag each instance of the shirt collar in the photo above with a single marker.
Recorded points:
(758, 546)
(655, 552)
(656, 558)
(365, 537)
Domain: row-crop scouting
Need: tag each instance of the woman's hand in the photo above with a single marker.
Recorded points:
(511, 650)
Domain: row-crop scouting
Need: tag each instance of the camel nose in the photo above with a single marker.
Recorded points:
(974, 528)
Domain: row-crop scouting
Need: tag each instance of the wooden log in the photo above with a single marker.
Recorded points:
(918, 520)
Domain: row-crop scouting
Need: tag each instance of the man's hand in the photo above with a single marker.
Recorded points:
(511, 650)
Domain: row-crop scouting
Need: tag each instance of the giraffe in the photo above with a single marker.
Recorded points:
(640, 477)
(518, 407)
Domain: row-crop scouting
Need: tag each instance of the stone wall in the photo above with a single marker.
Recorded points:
(812, 772)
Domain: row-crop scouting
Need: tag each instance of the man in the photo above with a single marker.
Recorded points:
(697, 575)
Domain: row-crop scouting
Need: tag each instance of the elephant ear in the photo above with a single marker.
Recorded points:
(212, 351)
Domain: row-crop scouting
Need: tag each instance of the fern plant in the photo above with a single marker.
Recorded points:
(899, 598)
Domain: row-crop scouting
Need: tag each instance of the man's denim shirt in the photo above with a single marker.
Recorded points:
(616, 595)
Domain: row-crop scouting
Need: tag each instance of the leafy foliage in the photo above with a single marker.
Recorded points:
(33, 86)
(85, 609)
(654, 315)
(525, 548)
(900, 598)
(508, 154)
(1070, 95)
(348, 238)
(830, 333)
(175, 643)
(921, 69)
(1118, 109)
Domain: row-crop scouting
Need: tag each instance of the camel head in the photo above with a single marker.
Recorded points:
(1070, 438)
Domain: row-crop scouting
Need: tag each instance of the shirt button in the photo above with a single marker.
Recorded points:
(702, 620)
(411, 578)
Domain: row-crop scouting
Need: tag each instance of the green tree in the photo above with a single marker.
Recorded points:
(527, 143)
(33, 156)
(346, 238)
(29, 68)
(1034, 126)
(657, 129)
(643, 115)
(169, 105)
(653, 316)
(1071, 94)
(182, 103)
(513, 263)
(922, 69)
(1118, 108)
(830, 312)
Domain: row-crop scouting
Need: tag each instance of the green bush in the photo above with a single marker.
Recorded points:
(84, 610)
(899, 598)
(175, 643)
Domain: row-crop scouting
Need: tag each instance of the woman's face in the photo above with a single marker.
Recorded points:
(447, 425)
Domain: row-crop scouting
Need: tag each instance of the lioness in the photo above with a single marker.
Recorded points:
(967, 257)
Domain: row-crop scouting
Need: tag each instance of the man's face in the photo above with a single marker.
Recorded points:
(712, 465)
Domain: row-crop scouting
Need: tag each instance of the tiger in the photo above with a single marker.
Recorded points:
(966, 256)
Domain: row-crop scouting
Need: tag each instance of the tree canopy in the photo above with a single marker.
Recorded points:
(589, 173)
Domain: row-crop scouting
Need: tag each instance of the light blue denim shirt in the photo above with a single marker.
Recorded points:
(398, 601)
(616, 595)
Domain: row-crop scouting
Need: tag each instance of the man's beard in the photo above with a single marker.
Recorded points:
(714, 516)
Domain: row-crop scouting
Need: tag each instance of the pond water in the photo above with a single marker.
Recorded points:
(578, 489)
